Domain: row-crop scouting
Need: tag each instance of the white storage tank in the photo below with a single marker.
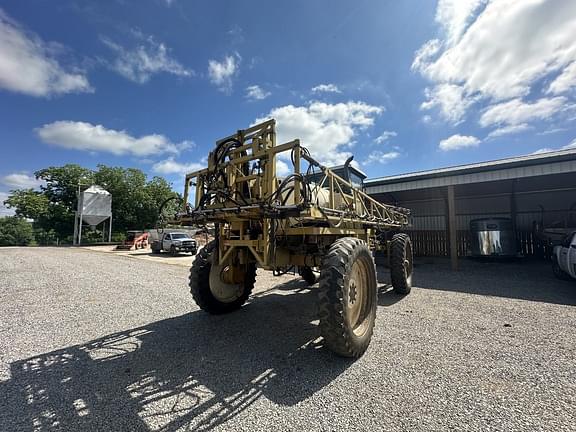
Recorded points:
(95, 205)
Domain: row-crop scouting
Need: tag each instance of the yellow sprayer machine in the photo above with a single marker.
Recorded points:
(310, 220)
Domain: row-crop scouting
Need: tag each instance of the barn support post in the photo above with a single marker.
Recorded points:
(452, 228)
(513, 205)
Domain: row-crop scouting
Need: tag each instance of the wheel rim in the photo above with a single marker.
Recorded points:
(220, 289)
(358, 298)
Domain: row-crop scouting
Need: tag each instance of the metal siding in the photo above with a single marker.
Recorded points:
(430, 215)
(502, 174)
(495, 165)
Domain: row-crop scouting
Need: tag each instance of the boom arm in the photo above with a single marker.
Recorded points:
(241, 179)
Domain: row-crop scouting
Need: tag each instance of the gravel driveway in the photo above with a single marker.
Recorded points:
(93, 341)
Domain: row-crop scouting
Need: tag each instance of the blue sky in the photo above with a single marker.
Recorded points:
(404, 86)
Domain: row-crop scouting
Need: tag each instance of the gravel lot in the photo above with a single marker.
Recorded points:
(93, 341)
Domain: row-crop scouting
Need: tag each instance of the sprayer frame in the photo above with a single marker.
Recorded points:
(240, 193)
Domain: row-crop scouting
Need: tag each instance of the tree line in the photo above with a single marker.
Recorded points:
(135, 204)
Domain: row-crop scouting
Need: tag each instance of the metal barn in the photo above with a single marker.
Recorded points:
(536, 192)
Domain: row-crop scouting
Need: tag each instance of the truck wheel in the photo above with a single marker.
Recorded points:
(347, 297)
(401, 263)
(307, 274)
(173, 251)
(212, 287)
(155, 246)
(558, 272)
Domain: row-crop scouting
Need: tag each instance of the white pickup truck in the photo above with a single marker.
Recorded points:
(173, 242)
(564, 258)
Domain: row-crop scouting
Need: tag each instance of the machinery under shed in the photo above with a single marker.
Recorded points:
(535, 193)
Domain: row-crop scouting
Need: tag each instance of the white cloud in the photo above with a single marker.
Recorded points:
(457, 142)
(96, 138)
(326, 88)
(145, 60)
(222, 72)
(381, 157)
(543, 150)
(451, 101)
(570, 146)
(500, 52)
(27, 64)
(170, 166)
(327, 130)
(21, 180)
(456, 15)
(5, 211)
(385, 136)
(552, 131)
(516, 112)
(425, 54)
(282, 168)
(508, 130)
(255, 92)
(565, 81)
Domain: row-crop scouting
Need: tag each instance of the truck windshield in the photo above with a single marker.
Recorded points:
(180, 236)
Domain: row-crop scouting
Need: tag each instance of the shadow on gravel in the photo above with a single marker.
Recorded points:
(193, 372)
(386, 296)
(526, 280)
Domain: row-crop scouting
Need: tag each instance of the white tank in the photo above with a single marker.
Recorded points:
(95, 205)
(321, 195)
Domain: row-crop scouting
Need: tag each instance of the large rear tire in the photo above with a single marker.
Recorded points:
(347, 297)
(210, 288)
(401, 263)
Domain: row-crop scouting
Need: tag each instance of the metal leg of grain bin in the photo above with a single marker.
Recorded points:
(80, 230)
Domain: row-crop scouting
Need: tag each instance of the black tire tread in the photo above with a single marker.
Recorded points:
(335, 266)
(398, 247)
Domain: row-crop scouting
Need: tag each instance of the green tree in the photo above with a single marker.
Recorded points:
(28, 203)
(61, 183)
(15, 231)
(135, 199)
(47, 215)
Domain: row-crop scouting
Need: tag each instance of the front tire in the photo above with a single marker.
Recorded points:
(347, 297)
(210, 292)
(401, 263)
